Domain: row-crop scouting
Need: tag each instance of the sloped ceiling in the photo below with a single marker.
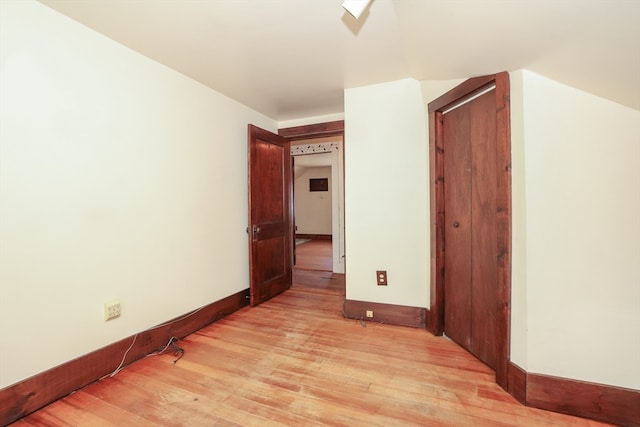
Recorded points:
(293, 58)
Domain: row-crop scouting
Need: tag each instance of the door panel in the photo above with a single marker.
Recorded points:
(484, 278)
(457, 255)
(270, 236)
(470, 183)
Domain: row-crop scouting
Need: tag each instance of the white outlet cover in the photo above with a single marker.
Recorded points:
(112, 309)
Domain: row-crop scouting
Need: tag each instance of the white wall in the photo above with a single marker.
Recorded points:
(582, 186)
(119, 178)
(386, 192)
(312, 208)
(433, 89)
(311, 120)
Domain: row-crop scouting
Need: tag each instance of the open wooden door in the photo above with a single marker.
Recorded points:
(270, 229)
(470, 186)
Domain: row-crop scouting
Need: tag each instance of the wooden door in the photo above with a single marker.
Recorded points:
(470, 279)
(471, 232)
(270, 230)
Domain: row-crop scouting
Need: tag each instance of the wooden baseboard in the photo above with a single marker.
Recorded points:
(29, 395)
(611, 404)
(588, 400)
(415, 317)
(314, 236)
(517, 382)
(600, 402)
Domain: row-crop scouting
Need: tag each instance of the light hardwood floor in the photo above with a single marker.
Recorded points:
(313, 269)
(314, 255)
(295, 361)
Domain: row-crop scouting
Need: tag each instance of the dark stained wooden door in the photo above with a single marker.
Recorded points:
(470, 278)
(270, 230)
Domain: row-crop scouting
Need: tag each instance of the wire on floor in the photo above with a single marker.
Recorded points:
(177, 351)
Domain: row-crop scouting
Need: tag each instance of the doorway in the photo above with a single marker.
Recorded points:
(319, 194)
(320, 139)
(312, 209)
(322, 262)
(470, 171)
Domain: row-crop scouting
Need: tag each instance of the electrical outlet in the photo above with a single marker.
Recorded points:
(381, 276)
(112, 309)
(369, 314)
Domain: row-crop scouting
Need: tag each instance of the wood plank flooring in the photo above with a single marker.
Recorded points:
(295, 361)
(313, 269)
(314, 255)
(324, 282)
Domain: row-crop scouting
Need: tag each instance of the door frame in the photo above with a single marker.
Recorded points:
(316, 130)
(323, 130)
(462, 92)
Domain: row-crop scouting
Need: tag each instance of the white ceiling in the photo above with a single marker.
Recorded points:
(293, 58)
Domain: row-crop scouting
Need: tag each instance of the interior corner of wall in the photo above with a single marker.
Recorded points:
(311, 120)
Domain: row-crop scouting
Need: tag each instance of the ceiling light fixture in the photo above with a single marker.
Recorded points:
(355, 7)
